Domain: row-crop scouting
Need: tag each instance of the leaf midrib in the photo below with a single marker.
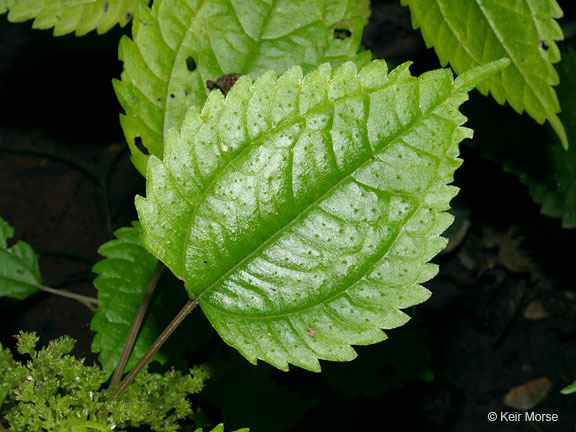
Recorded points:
(494, 29)
(313, 203)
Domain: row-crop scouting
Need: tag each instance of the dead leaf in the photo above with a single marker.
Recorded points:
(536, 311)
(528, 395)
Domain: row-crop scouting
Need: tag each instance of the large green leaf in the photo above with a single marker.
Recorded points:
(19, 271)
(123, 276)
(467, 33)
(180, 44)
(67, 16)
(302, 211)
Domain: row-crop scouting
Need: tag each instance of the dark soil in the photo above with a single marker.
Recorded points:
(503, 310)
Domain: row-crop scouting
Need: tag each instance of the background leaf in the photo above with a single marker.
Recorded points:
(180, 44)
(121, 282)
(466, 33)
(534, 153)
(19, 271)
(303, 211)
(67, 16)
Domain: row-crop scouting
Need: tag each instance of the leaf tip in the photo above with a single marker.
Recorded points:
(558, 127)
(474, 76)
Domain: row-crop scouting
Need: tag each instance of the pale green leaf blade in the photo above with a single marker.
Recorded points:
(178, 45)
(19, 271)
(67, 16)
(303, 211)
(467, 33)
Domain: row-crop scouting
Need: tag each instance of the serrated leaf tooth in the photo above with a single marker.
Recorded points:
(285, 100)
(259, 104)
(374, 76)
(344, 81)
(401, 73)
(313, 91)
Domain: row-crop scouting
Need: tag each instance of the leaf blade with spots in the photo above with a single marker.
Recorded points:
(302, 212)
(19, 271)
(67, 16)
(466, 33)
(178, 45)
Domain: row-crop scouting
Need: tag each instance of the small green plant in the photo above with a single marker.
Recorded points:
(299, 210)
(569, 389)
(53, 391)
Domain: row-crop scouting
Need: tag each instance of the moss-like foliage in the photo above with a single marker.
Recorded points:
(55, 392)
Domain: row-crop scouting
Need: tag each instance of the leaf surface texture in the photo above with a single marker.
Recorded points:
(19, 271)
(178, 45)
(467, 33)
(303, 211)
(67, 16)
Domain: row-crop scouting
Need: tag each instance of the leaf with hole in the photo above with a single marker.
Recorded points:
(19, 271)
(302, 211)
(67, 16)
(467, 33)
(178, 45)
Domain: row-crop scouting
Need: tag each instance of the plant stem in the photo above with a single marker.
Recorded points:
(136, 324)
(82, 299)
(188, 307)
